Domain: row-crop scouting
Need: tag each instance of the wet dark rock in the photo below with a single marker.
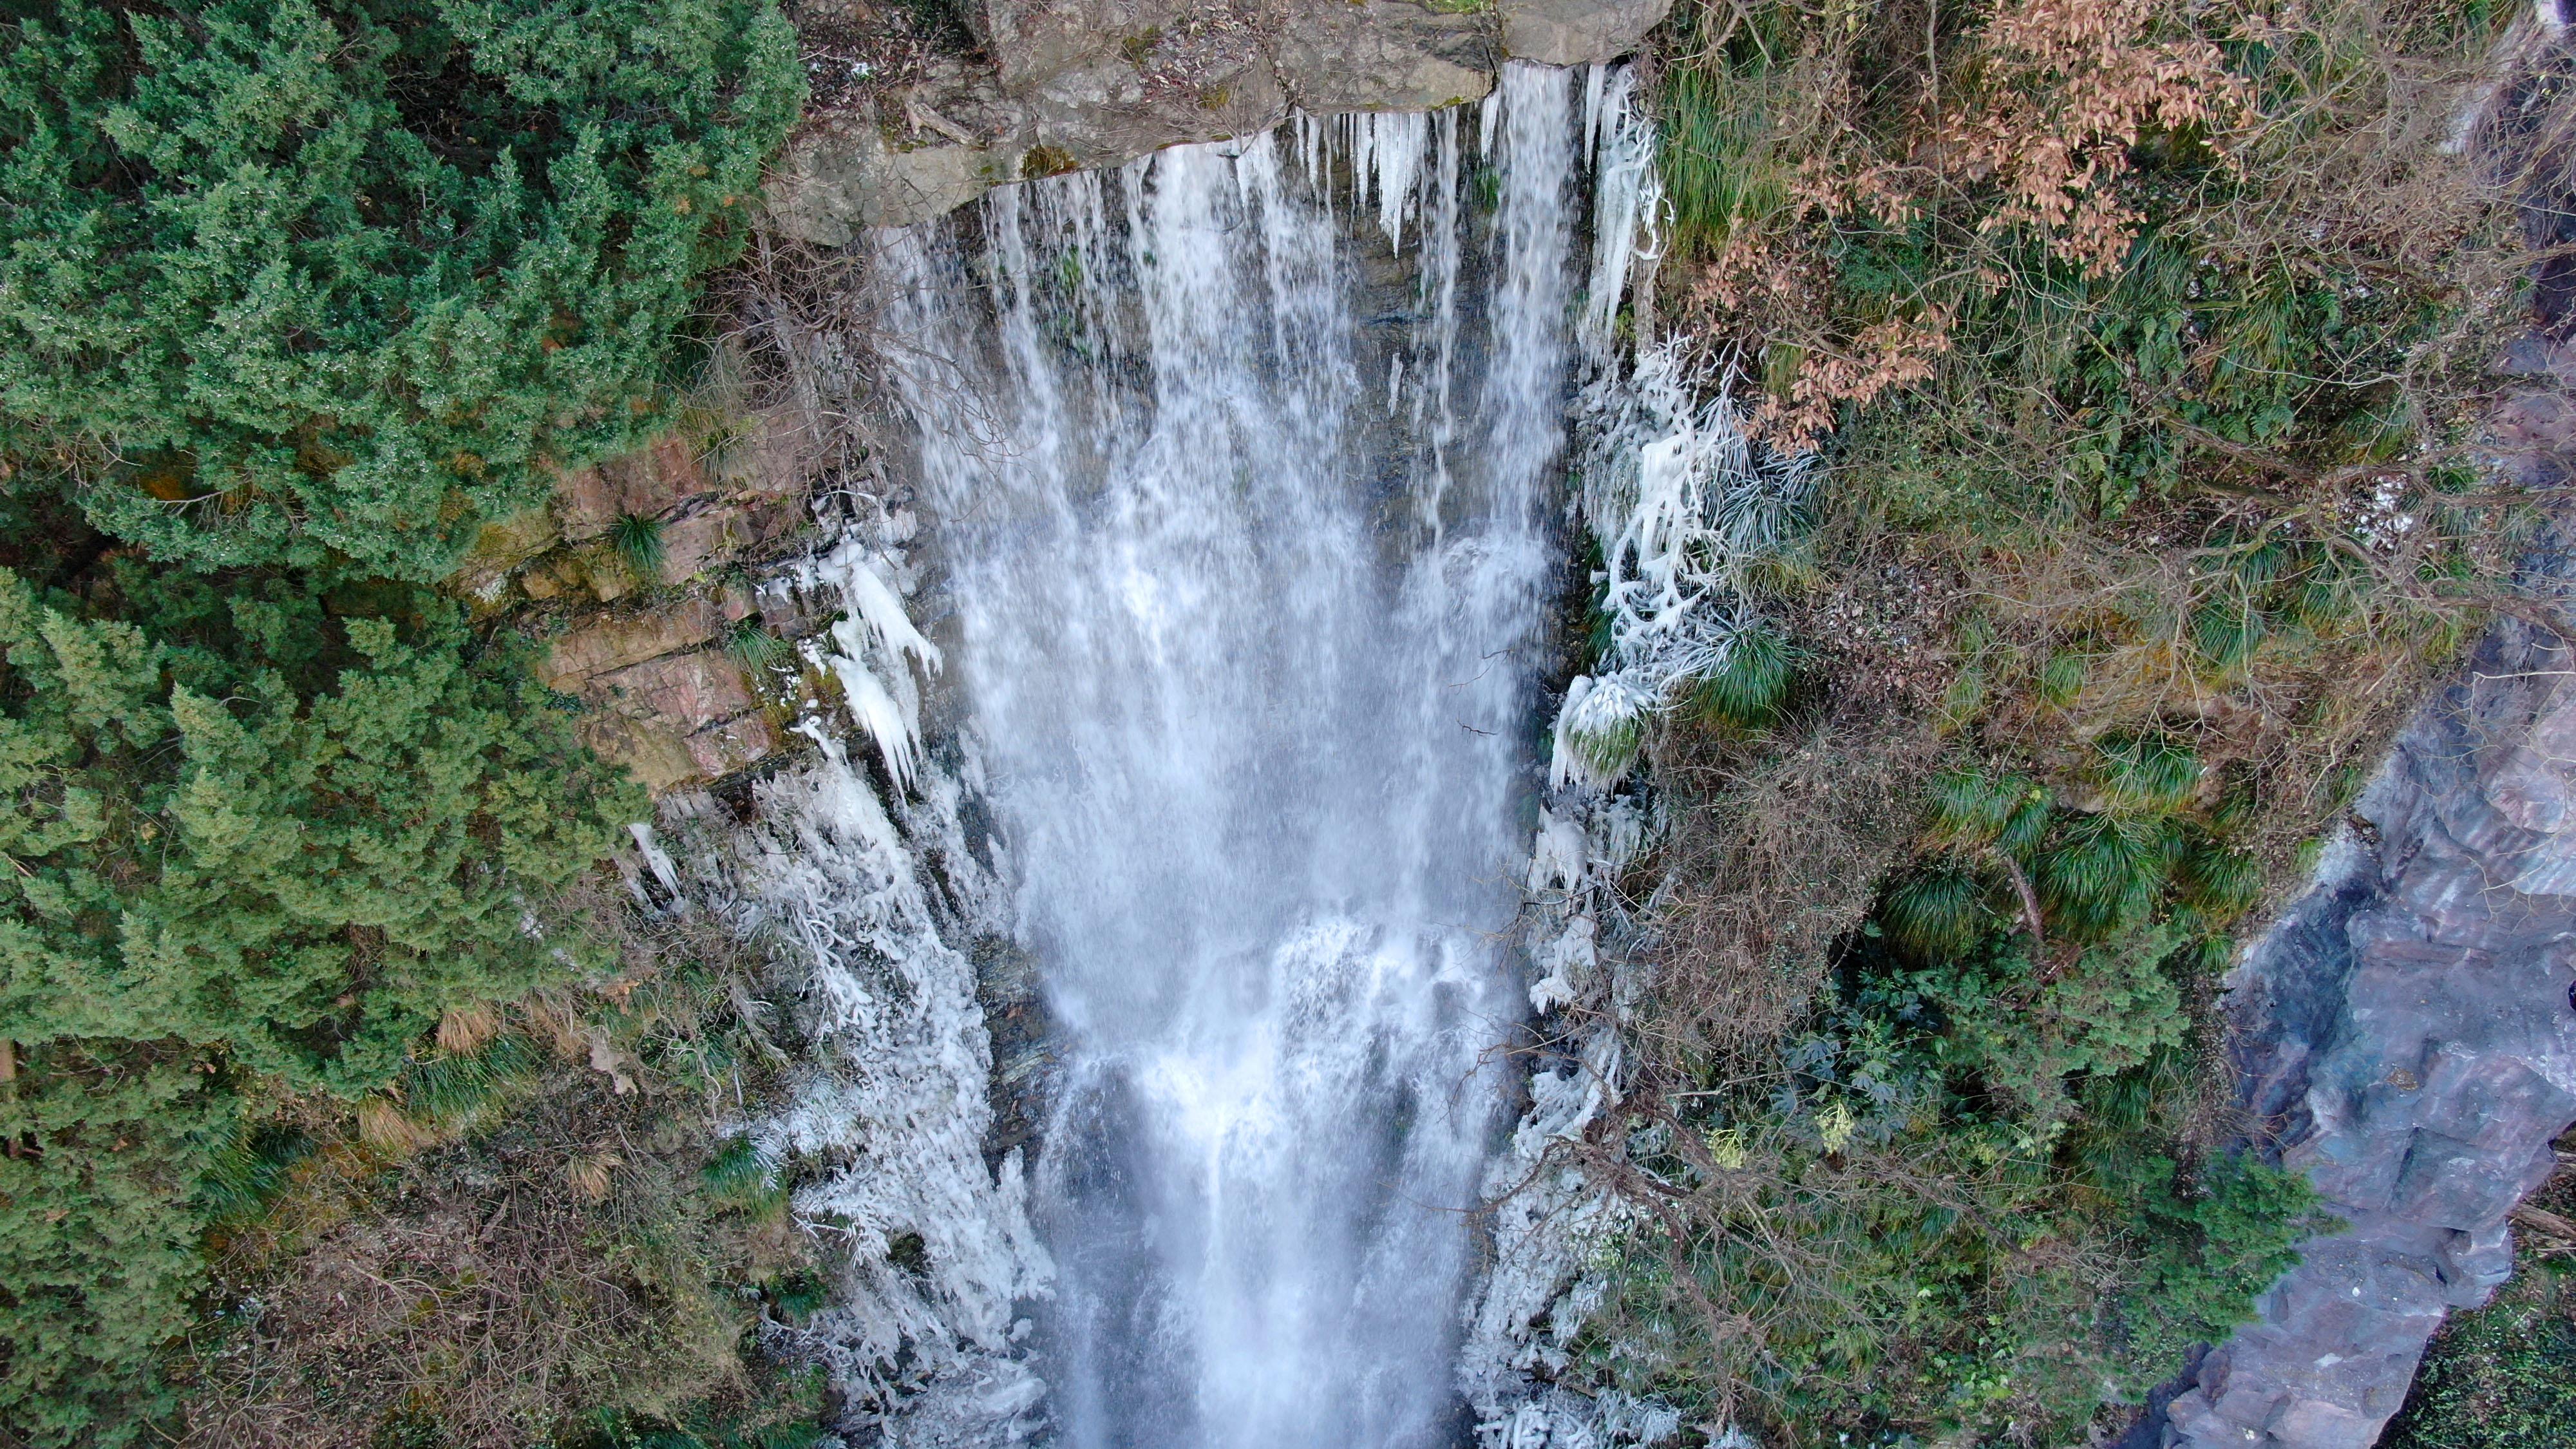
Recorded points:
(2404, 1035)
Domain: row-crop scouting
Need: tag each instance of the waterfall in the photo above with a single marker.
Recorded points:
(1246, 518)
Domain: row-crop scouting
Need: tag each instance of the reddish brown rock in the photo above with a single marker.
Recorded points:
(689, 691)
(500, 547)
(721, 749)
(785, 453)
(647, 482)
(605, 644)
(554, 578)
(657, 757)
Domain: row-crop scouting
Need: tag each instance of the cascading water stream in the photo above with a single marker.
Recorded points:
(1246, 519)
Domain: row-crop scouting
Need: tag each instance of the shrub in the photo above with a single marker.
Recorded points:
(2211, 1246)
(265, 835)
(2189, 319)
(616, 1253)
(281, 278)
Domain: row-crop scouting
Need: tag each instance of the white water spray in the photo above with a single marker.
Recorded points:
(1246, 523)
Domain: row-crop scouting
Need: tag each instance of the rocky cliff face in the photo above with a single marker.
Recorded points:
(646, 648)
(1068, 85)
(2407, 1034)
(2406, 1031)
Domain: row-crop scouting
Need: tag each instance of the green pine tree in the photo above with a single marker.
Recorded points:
(285, 278)
(265, 835)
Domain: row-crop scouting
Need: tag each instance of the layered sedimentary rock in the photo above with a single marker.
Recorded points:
(2405, 1033)
(645, 647)
(1078, 84)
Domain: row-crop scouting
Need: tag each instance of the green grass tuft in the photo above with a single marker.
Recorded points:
(2148, 772)
(1936, 914)
(637, 537)
(452, 1084)
(2105, 871)
(750, 644)
(738, 1173)
(1748, 690)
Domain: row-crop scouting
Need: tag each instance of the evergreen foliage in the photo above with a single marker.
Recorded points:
(265, 834)
(285, 278)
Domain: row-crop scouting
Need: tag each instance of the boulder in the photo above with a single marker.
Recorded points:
(1384, 55)
(1078, 84)
(2540, 422)
(1191, 84)
(693, 544)
(1577, 32)
(842, 176)
(781, 455)
(554, 577)
(1034, 40)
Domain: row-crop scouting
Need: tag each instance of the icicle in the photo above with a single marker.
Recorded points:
(874, 601)
(658, 861)
(1593, 75)
(901, 1115)
(882, 695)
(1397, 142)
(1626, 196)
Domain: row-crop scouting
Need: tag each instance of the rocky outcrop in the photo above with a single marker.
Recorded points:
(2407, 1034)
(646, 650)
(1075, 84)
(711, 499)
(669, 703)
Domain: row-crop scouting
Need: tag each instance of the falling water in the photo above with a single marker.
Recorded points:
(1243, 464)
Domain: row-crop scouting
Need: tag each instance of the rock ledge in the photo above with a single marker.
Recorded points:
(1079, 84)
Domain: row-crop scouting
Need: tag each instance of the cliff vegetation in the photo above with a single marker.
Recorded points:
(2145, 346)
